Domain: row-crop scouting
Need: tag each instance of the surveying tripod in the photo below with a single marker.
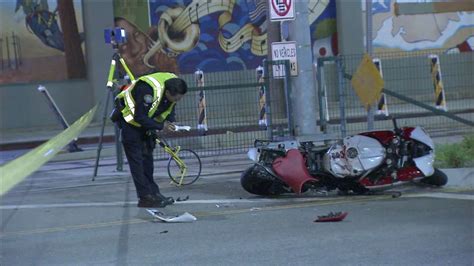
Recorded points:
(115, 80)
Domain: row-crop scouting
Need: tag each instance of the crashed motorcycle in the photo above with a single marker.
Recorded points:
(364, 163)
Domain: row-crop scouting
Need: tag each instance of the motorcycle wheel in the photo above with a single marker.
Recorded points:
(438, 178)
(258, 181)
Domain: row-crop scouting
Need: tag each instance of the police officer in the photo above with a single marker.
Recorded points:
(147, 106)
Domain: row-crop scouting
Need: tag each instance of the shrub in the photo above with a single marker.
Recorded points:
(456, 155)
(468, 144)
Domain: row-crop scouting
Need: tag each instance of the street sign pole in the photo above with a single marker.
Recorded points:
(303, 93)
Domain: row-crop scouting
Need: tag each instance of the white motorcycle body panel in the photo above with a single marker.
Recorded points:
(419, 134)
(425, 164)
(354, 156)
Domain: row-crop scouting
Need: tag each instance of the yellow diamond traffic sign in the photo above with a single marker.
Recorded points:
(367, 82)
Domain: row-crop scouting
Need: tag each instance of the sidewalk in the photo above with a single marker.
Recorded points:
(14, 139)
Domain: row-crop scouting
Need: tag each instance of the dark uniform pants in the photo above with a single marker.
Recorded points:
(140, 159)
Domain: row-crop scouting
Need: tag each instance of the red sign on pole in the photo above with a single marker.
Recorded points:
(282, 10)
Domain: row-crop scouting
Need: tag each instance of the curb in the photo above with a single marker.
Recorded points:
(460, 177)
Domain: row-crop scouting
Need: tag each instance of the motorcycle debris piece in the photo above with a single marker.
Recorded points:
(164, 232)
(182, 218)
(332, 217)
(183, 199)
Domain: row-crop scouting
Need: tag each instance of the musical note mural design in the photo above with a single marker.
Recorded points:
(211, 35)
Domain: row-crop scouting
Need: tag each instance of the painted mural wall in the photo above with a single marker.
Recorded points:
(452, 32)
(41, 40)
(212, 35)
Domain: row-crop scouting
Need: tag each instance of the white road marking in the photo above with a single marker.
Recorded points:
(228, 201)
(126, 203)
(441, 195)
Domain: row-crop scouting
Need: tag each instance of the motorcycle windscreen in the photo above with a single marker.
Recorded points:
(292, 170)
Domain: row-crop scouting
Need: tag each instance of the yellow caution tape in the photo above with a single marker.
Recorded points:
(15, 171)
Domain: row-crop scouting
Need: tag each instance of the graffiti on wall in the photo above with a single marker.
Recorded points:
(452, 32)
(184, 35)
(32, 41)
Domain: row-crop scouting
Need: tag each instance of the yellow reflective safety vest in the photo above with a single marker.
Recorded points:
(157, 83)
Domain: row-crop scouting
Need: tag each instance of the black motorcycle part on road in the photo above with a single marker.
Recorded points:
(257, 180)
(438, 178)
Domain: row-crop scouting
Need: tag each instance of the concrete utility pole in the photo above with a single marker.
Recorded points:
(303, 93)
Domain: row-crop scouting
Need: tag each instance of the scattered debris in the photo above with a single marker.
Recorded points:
(255, 209)
(183, 218)
(164, 232)
(332, 217)
(217, 205)
(183, 199)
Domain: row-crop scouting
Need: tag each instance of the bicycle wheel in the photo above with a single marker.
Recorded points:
(193, 166)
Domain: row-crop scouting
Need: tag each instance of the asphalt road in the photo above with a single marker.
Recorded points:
(58, 216)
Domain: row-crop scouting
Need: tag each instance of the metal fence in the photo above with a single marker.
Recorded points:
(442, 81)
(10, 52)
(241, 106)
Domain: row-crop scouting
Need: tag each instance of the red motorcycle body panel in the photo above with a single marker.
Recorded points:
(386, 136)
(292, 170)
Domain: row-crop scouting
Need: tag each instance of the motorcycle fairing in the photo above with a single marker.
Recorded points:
(355, 155)
(292, 170)
(425, 164)
(420, 134)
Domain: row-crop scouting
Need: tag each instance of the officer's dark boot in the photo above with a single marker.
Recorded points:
(151, 201)
(167, 200)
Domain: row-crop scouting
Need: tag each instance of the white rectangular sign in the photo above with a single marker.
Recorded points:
(284, 51)
(282, 10)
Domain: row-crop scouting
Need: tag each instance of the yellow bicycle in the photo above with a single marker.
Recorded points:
(184, 165)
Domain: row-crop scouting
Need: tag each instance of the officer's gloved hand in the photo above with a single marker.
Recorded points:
(169, 126)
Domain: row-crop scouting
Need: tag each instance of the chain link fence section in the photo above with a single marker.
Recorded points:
(408, 74)
(233, 111)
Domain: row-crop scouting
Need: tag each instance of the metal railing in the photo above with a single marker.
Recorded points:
(447, 87)
(10, 52)
(234, 100)
(241, 106)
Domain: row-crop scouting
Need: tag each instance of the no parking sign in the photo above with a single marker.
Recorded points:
(282, 10)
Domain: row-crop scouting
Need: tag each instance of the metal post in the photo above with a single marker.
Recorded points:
(8, 52)
(382, 108)
(368, 43)
(342, 96)
(202, 112)
(289, 107)
(440, 98)
(52, 104)
(303, 92)
(15, 50)
(322, 96)
(268, 109)
(1, 53)
(262, 116)
(19, 51)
